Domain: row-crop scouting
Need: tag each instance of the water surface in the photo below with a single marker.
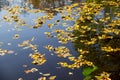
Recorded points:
(11, 65)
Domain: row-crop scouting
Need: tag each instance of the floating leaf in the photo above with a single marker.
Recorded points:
(70, 73)
(42, 78)
(38, 59)
(20, 78)
(87, 71)
(10, 52)
(47, 74)
(16, 36)
(87, 78)
(52, 77)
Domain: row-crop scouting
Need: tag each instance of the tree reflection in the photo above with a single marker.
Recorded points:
(47, 3)
(40, 4)
(106, 59)
(3, 3)
(50, 4)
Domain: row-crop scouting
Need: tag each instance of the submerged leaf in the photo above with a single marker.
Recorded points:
(87, 71)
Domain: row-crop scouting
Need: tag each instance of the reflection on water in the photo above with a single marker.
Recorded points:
(50, 3)
(11, 65)
(39, 4)
(3, 3)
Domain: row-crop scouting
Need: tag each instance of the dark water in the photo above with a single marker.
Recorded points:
(11, 65)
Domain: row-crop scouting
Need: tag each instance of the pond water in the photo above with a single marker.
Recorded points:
(11, 64)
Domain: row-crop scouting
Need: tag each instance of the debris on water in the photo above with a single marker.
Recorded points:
(16, 36)
(47, 74)
(40, 73)
(70, 73)
(52, 77)
(9, 44)
(48, 34)
(58, 67)
(3, 52)
(20, 78)
(10, 51)
(49, 47)
(26, 44)
(32, 70)
(38, 59)
(24, 66)
(27, 71)
(42, 78)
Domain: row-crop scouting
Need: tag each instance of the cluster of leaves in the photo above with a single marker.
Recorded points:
(98, 32)
(96, 35)
(13, 16)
